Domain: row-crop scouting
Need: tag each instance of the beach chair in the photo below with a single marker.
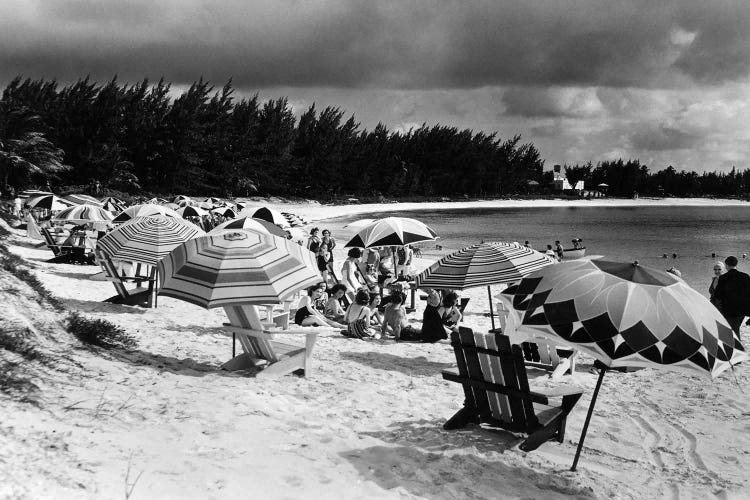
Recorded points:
(546, 355)
(142, 298)
(260, 349)
(496, 390)
(57, 250)
(462, 305)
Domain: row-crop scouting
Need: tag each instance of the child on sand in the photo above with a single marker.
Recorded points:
(394, 319)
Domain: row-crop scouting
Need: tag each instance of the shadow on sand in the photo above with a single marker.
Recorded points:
(94, 306)
(386, 361)
(430, 462)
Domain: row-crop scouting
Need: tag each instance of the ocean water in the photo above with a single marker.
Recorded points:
(621, 234)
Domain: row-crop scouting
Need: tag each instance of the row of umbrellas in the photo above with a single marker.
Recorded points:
(624, 315)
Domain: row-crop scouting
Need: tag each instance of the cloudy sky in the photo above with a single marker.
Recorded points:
(667, 82)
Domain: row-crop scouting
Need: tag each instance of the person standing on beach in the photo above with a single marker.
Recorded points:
(732, 294)
(718, 271)
(559, 250)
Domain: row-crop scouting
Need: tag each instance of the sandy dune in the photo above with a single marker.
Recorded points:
(367, 424)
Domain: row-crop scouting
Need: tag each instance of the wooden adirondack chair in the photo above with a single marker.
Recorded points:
(60, 252)
(497, 393)
(260, 348)
(142, 298)
(540, 353)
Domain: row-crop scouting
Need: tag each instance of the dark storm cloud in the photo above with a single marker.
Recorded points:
(662, 138)
(421, 44)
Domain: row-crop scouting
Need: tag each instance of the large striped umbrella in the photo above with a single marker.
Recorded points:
(82, 214)
(148, 239)
(224, 212)
(391, 231)
(82, 199)
(259, 225)
(483, 264)
(267, 214)
(237, 266)
(114, 205)
(626, 315)
(47, 202)
(191, 212)
(145, 210)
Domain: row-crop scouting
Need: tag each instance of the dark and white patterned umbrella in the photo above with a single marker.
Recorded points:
(148, 239)
(267, 214)
(483, 264)
(259, 225)
(391, 231)
(48, 202)
(82, 214)
(145, 210)
(626, 315)
(224, 212)
(191, 211)
(237, 266)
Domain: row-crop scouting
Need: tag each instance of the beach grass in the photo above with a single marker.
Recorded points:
(99, 332)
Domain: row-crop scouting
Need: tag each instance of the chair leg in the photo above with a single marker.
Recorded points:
(541, 436)
(463, 417)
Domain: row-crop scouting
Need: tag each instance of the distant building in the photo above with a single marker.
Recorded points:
(560, 181)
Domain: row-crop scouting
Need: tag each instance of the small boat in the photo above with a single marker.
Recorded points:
(574, 253)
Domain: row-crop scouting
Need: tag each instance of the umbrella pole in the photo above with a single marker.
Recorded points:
(492, 313)
(588, 419)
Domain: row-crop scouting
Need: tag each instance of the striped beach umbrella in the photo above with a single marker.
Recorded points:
(267, 214)
(148, 239)
(213, 201)
(145, 210)
(483, 264)
(224, 212)
(259, 225)
(47, 202)
(626, 315)
(113, 205)
(191, 212)
(391, 231)
(233, 267)
(82, 214)
(82, 199)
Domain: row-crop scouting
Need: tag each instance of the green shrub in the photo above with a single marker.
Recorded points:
(99, 332)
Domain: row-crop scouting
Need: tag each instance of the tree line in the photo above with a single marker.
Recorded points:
(143, 137)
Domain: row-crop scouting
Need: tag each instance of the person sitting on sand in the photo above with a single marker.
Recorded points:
(394, 319)
(307, 315)
(333, 308)
(357, 315)
(375, 317)
(449, 311)
(550, 253)
(433, 328)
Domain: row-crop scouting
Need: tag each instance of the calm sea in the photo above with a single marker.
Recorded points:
(621, 234)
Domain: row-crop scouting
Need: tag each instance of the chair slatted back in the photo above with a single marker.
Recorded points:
(491, 358)
(110, 272)
(246, 316)
(50, 241)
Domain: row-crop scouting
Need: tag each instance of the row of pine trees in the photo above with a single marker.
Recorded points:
(141, 137)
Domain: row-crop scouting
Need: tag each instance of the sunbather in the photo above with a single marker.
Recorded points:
(394, 319)
(357, 316)
(307, 315)
(333, 309)
(433, 327)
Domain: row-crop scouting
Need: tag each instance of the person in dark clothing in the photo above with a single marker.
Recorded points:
(732, 294)
(433, 327)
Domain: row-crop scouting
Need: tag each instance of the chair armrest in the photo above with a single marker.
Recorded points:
(560, 391)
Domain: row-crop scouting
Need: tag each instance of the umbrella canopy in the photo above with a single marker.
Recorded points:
(191, 212)
(627, 315)
(258, 225)
(82, 214)
(158, 201)
(113, 205)
(82, 199)
(185, 203)
(267, 214)
(233, 267)
(32, 193)
(181, 197)
(47, 202)
(391, 231)
(359, 224)
(295, 220)
(148, 239)
(213, 201)
(481, 265)
(224, 212)
(145, 210)
(603, 185)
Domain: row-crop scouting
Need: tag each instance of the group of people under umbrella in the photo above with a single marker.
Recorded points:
(622, 314)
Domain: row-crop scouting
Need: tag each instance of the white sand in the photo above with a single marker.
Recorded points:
(367, 424)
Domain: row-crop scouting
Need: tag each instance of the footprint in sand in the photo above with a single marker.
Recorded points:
(293, 480)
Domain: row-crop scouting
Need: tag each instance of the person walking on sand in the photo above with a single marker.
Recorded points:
(719, 269)
(559, 250)
(732, 294)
